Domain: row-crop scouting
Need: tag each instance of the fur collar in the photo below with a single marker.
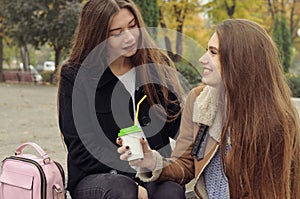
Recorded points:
(209, 109)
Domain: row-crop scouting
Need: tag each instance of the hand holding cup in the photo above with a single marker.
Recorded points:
(149, 160)
(134, 148)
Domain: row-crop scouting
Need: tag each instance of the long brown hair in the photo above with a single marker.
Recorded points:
(93, 28)
(262, 123)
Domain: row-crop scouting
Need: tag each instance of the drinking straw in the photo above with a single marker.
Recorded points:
(137, 110)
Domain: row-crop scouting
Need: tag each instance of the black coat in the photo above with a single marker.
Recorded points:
(98, 114)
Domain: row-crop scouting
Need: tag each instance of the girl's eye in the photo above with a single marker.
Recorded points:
(212, 51)
(132, 25)
(117, 35)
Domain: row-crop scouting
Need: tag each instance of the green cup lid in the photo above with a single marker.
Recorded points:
(128, 130)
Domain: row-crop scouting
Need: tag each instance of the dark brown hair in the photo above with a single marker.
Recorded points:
(93, 28)
(262, 122)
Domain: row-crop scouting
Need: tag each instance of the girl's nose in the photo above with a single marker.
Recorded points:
(202, 59)
(128, 36)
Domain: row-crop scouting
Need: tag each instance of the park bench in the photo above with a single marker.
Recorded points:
(17, 76)
(26, 77)
(10, 76)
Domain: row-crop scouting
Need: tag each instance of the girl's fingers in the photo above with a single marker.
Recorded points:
(125, 155)
(137, 162)
(119, 141)
(134, 162)
(145, 145)
(122, 149)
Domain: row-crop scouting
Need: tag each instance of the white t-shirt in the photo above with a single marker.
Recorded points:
(128, 80)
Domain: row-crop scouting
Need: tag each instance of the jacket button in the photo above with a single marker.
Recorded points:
(113, 171)
(146, 120)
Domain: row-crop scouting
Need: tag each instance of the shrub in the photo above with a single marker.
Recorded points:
(191, 74)
(46, 75)
(293, 81)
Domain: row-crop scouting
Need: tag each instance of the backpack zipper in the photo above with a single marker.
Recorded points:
(61, 170)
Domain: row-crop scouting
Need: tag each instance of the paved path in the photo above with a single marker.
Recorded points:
(28, 114)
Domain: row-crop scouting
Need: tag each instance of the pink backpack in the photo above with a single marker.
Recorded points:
(26, 176)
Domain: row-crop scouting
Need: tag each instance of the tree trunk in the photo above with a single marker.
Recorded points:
(57, 57)
(230, 9)
(169, 48)
(25, 57)
(180, 14)
(53, 77)
(179, 43)
(1, 57)
(292, 20)
(270, 8)
(166, 38)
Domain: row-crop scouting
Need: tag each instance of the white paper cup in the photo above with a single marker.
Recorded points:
(131, 137)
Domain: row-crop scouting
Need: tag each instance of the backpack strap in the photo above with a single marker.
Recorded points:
(44, 155)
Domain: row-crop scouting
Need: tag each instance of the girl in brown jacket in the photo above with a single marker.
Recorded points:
(239, 134)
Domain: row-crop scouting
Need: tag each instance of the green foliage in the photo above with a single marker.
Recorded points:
(218, 10)
(293, 81)
(46, 75)
(38, 22)
(174, 13)
(22, 21)
(149, 11)
(277, 33)
(62, 21)
(286, 45)
(191, 74)
(282, 37)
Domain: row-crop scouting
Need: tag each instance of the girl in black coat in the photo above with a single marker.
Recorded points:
(112, 65)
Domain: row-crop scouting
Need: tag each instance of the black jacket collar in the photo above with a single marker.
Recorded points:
(106, 78)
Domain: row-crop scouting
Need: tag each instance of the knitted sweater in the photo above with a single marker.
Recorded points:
(215, 180)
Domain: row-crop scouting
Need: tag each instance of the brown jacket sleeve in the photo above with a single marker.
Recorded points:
(180, 167)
